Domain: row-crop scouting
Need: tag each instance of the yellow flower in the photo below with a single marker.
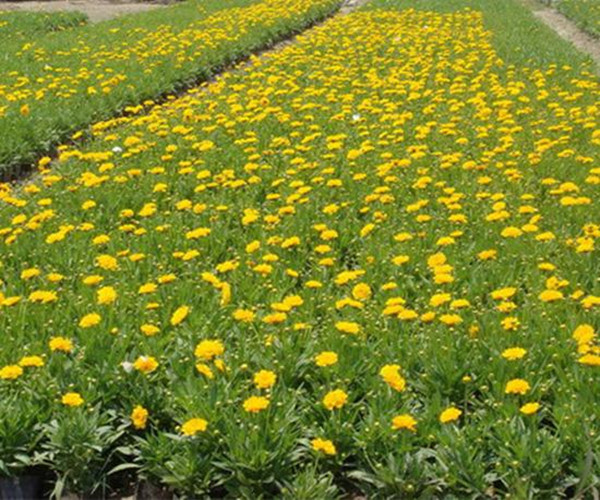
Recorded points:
(362, 291)
(517, 386)
(107, 262)
(391, 376)
(529, 408)
(90, 320)
(145, 364)
(31, 361)
(323, 445)
(43, 296)
(326, 358)
(487, 255)
(450, 415)
(193, 426)
(265, 379)
(32, 272)
(92, 280)
(404, 421)
(243, 315)
(347, 327)
(511, 232)
(514, 353)
(510, 323)
(166, 278)
(106, 295)
(293, 241)
(149, 330)
(10, 372)
(205, 370)
(400, 259)
(590, 360)
(208, 349)
(551, 295)
(72, 399)
(139, 417)
(503, 293)
(334, 400)
(440, 298)
(179, 315)
(450, 319)
(255, 404)
(60, 344)
(147, 288)
(584, 334)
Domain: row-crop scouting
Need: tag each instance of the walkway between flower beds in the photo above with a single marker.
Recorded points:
(568, 30)
(95, 10)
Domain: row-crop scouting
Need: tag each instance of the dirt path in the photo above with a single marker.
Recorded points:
(350, 5)
(568, 30)
(95, 10)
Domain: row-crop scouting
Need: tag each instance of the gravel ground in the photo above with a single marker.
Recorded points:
(95, 10)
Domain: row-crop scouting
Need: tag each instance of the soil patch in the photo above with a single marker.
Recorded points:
(95, 10)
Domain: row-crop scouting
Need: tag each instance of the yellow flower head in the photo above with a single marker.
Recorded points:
(404, 421)
(107, 262)
(264, 379)
(145, 364)
(179, 315)
(208, 349)
(347, 327)
(514, 353)
(10, 372)
(323, 445)
(31, 362)
(72, 399)
(391, 376)
(362, 291)
(326, 358)
(584, 334)
(194, 426)
(450, 415)
(106, 295)
(334, 400)
(60, 344)
(530, 408)
(255, 404)
(139, 417)
(90, 320)
(243, 315)
(517, 386)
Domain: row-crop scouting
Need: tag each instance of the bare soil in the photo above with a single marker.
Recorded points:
(96, 10)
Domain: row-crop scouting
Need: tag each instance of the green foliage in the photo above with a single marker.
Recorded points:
(586, 13)
(23, 27)
(78, 447)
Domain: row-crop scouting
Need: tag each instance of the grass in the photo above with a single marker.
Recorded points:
(21, 26)
(62, 82)
(366, 263)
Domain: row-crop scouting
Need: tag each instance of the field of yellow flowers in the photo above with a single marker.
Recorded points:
(365, 263)
(55, 84)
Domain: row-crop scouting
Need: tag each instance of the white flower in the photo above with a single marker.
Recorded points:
(117, 149)
(127, 366)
